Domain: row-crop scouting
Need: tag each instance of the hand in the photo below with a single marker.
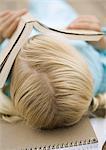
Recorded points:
(9, 21)
(89, 23)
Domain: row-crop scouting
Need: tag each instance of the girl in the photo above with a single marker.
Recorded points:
(54, 84)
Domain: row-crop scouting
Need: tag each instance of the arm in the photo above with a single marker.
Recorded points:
(8, 23)
(89, 23)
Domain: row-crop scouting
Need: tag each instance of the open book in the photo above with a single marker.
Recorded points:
(20, 137)
(21, 35)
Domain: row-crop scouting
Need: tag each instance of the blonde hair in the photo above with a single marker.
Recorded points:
(51, 85)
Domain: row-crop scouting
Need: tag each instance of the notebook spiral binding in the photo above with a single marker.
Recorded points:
(65, 145)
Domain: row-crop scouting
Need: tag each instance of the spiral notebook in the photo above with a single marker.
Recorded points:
(8, 55)
(20, 137)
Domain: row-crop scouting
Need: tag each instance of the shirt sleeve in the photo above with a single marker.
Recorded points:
(6, 88)
(104, 30)
(3, 44)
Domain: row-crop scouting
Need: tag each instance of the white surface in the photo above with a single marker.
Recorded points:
(82, 147)
(99, 126)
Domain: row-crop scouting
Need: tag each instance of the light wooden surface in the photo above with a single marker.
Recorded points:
(93, 7)
(99, 126)
(13, 4)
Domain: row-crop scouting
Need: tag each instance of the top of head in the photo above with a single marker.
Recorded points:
(51, 85)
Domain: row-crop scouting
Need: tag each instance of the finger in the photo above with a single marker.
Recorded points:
(3, 21)
(9, 19)
(89, 18)
(86, 26)
(11, 29)
(5, 18)
(7, 23)
(13, 17)
(85, 19)
(4, 13)
(21, 12)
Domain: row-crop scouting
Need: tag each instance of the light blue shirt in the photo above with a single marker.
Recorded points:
(59, 14)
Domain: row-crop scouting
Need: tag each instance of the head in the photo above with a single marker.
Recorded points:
(51, 85)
